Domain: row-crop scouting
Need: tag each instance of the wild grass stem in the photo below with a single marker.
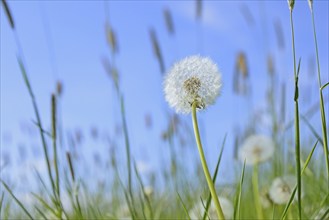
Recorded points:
(297, 132)
(54, 139)
(323, 115)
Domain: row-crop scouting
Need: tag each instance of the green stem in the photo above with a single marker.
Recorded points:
(54, 139)
(204, 163)
(323, 116)
(297, 138)
(255, 186)
(125, 131)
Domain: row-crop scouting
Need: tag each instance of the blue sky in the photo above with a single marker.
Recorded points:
(65, 40)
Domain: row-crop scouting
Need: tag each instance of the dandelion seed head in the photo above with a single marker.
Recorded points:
(197, 211)
(256, 149)
(194, 78)
(281, 189)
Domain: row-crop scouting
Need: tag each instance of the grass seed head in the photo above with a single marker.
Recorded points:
(291, 4)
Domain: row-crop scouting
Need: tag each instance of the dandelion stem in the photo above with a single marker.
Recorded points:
(297, 139)
(256, 192)
(323, 116)
(204, 163)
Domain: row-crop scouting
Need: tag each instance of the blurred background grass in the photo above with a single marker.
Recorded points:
(89, 52)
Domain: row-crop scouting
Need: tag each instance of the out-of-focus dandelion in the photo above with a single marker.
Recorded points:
(169, 21)
(192, 79)
(148, 190)
(256, 149)
(157, 50)
(265, 199)
(197, 211)
(282, 188)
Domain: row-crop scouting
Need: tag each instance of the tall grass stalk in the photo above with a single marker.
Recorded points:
(127, 144)
(17, 200)
(39, 125)
(286, 209)
(204, 163)
(36, 111)
(297, 132)
(54, 138)
(323, 115)
(75, 193)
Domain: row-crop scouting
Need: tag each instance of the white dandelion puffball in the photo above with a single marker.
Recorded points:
(256, 149)
(194, 78)
(282, 188)
(226, 205)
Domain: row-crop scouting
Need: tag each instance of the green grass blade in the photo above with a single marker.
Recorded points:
(54, 139)
(237, 203)
(127, 143)
(38, 118)
(8, 13)
(297, 129)
(17, 200)
(146, 197)
(318, 137)
(325, 200)
(295, 189)
(214, 177)
(323, 217)
(45, 204)
(323, 115)
(324, 135)
(40, 212)
(1, 201)
(126, 194)
(184, 207)
(324, 86)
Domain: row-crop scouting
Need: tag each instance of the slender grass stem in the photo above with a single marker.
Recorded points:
(204, 163)
(323, 116)
(39, 124)
(297, 138)
(255, 186)
(125, 131)
(54, 139)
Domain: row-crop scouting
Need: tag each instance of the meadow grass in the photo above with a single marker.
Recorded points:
(131, 198)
